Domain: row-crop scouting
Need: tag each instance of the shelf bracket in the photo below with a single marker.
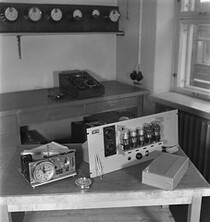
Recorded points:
(19, 46)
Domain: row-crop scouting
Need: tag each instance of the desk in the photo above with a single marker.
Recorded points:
(122, 188)
(35, 106)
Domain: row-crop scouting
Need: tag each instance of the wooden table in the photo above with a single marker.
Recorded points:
(24, 108)
(122, 188)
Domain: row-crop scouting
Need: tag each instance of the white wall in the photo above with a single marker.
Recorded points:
(107, 56)
(42, 55)
(157, 47)
(127, 46)
(165, 35)
(156, 44)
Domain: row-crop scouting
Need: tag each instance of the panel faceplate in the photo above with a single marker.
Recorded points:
(32, 18)
(118, 157)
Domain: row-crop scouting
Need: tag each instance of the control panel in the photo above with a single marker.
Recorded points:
(125, 143)
(31, 18)
(80, 84)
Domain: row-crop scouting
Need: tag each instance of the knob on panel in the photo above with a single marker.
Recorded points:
(138, 156)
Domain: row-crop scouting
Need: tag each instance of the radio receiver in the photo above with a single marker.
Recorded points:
(122, 144)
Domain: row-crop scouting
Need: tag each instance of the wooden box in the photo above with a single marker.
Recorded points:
(166, 171)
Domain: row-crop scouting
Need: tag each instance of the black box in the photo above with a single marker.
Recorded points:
(80, 84)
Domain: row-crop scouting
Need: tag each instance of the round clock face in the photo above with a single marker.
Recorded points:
(34, 14)
(56, 14)
(114, 15)
(11, 14)
(44, 171)
(77, 14)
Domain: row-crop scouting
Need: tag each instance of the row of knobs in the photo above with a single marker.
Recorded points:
(35, 14)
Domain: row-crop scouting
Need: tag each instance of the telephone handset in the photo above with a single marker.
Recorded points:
(80, 84)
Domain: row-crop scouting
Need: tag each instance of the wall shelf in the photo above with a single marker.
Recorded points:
(118, 33)
(19, 19)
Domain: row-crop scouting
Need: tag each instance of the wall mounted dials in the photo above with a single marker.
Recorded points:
(56, 14)
(114, 15)
(57, 18)
(10, 14)
(77, 14)
(44, 171)
(34, 14)
(95, 13)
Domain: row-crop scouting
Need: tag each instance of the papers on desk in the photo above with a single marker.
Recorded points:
(47, 150)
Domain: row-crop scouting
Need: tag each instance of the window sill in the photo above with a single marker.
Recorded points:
(182, 102)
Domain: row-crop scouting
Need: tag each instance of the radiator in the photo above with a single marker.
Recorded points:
(194, 138)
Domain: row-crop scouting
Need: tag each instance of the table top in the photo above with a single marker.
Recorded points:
(46, 97)
(120, 188)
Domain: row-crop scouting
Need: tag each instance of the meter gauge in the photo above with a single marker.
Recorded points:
(114, 15)
(34, 14)
(43, 171)
(95, 13)
(77, 14)
(56, 14)
(10, 14)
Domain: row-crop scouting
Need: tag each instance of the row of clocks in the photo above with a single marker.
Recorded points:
(35, 14)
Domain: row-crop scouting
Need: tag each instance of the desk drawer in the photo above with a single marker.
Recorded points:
(112, 105)
(50, 115)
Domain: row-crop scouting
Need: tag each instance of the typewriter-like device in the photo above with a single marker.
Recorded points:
(47, 163)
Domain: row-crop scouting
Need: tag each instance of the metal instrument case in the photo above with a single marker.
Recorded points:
(166, 171)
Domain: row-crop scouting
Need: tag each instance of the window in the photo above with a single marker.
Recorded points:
(193, 51)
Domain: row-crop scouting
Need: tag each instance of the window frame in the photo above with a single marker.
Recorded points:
(182, 69)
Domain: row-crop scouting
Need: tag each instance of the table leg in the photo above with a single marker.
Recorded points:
(194, 209)
(5, 216)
